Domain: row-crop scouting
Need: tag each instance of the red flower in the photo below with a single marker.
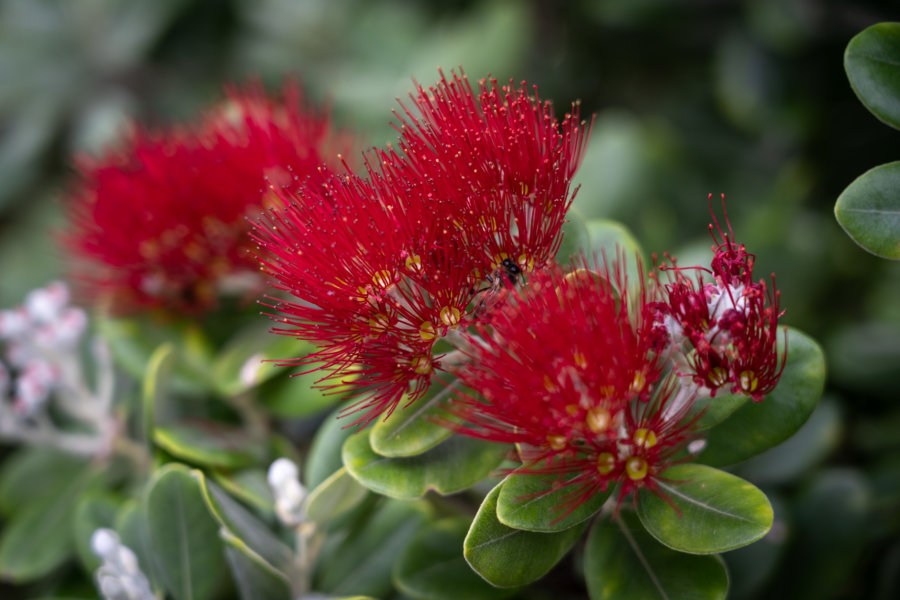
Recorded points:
(382, 268)
(567, 371)
(162, 221)
(725, 331)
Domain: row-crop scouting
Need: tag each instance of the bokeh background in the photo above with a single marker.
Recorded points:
(748, 98)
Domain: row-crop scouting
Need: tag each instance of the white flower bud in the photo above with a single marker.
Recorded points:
(250, 371)
(282, 470)
(120, 576)
(104, 543)
(44, 304)
(13, 323)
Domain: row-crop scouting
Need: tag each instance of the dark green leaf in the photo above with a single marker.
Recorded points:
(241, 523)
(131, 525)
(622, 561)
(361, 562)
(716, 511)
(209, 443)
(184, 537)
(410, 430)
(324, 456)
(244, 361)
(38, 538)
(507, 557)
(250, 486)
(294, 396)
(432, 565)
(872, 62)
(452, 466)
(522, 504)
(756, 427)
(255, 578)
(869, 210)
(35, 472)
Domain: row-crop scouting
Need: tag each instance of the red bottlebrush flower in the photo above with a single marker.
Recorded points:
(725, 331)
(567, 370)
(382, 268)
(162, 221)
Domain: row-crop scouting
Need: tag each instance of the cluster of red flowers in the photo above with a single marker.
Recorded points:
(161, 222)
(385, 266)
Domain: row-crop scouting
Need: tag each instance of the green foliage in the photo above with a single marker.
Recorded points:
(527, 502)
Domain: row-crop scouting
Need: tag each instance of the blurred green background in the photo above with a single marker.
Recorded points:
(745, 97)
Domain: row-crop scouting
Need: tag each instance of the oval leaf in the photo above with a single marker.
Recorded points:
(92, 511)
(324, 457)
(209, 443)
(507, 557)
(334, 497)
(154, 386)
(410, 430)
(255, 578)
(250, 486)
(869, 210)
(35, 472)
(718, 511)
(622, 561)
(452, 466)
(432, 565)
(184, 537)
(872, 62)
(756, 427)
(525, 504)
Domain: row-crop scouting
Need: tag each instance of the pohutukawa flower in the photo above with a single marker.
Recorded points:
(161, 222)
(383, 267)
(567, 370)
(724, 331)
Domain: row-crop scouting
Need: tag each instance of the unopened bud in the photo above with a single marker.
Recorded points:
(44, 304)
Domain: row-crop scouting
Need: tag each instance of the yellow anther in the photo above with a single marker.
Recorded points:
(718, 376)
(598, 419)
(427, 331)
(379, 322)
(606, 462)
(526, 263)
(414, 262)
(636, 468)
(749, 381)
(557, 442)
(644, 438)
(550, 385)
(637, 385)
(422, 364)
(450, 316)
(382, 279)
(580, 359)
(498, 260)
(572, 409)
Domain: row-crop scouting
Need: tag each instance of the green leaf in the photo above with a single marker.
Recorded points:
(756, 427)
(210, 444)
(324, 457)
(622, 561)
(250, 486)
(716, 511)
(432, 565)
(184, 537)
(294, 396)
(38, 538)
(131, 525)
(452, 466)
(520, 507)
(715, 410)
(869, 210)
(361, 561)
(872, 62)
(154, 386)
(93, 511)
(255, 578)
(507, 557)
(35, 472)
(240, 522)
(410, 430)
(334, 497)
(576, 240)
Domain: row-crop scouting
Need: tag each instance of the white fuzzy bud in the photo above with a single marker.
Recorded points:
(290, 495)
(120, 576)
(44, 304)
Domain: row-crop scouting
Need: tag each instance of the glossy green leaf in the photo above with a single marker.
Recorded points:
(38, 538)
(255, 578)
(210, 444)
(93, 510)
(756, 427)
(452, 466)
(432, 565)
(507, 557)
(872, 62)
(622, 561)
(716, 511)
(324, 457)
(184, 537)
(154, 386)
(713, 411)
(334, 497)
(575, 240)
(410, 430)
(240, 522)
(35, 472)
(131, 525)
(523, 503)
(361, 561)
(869, 210)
